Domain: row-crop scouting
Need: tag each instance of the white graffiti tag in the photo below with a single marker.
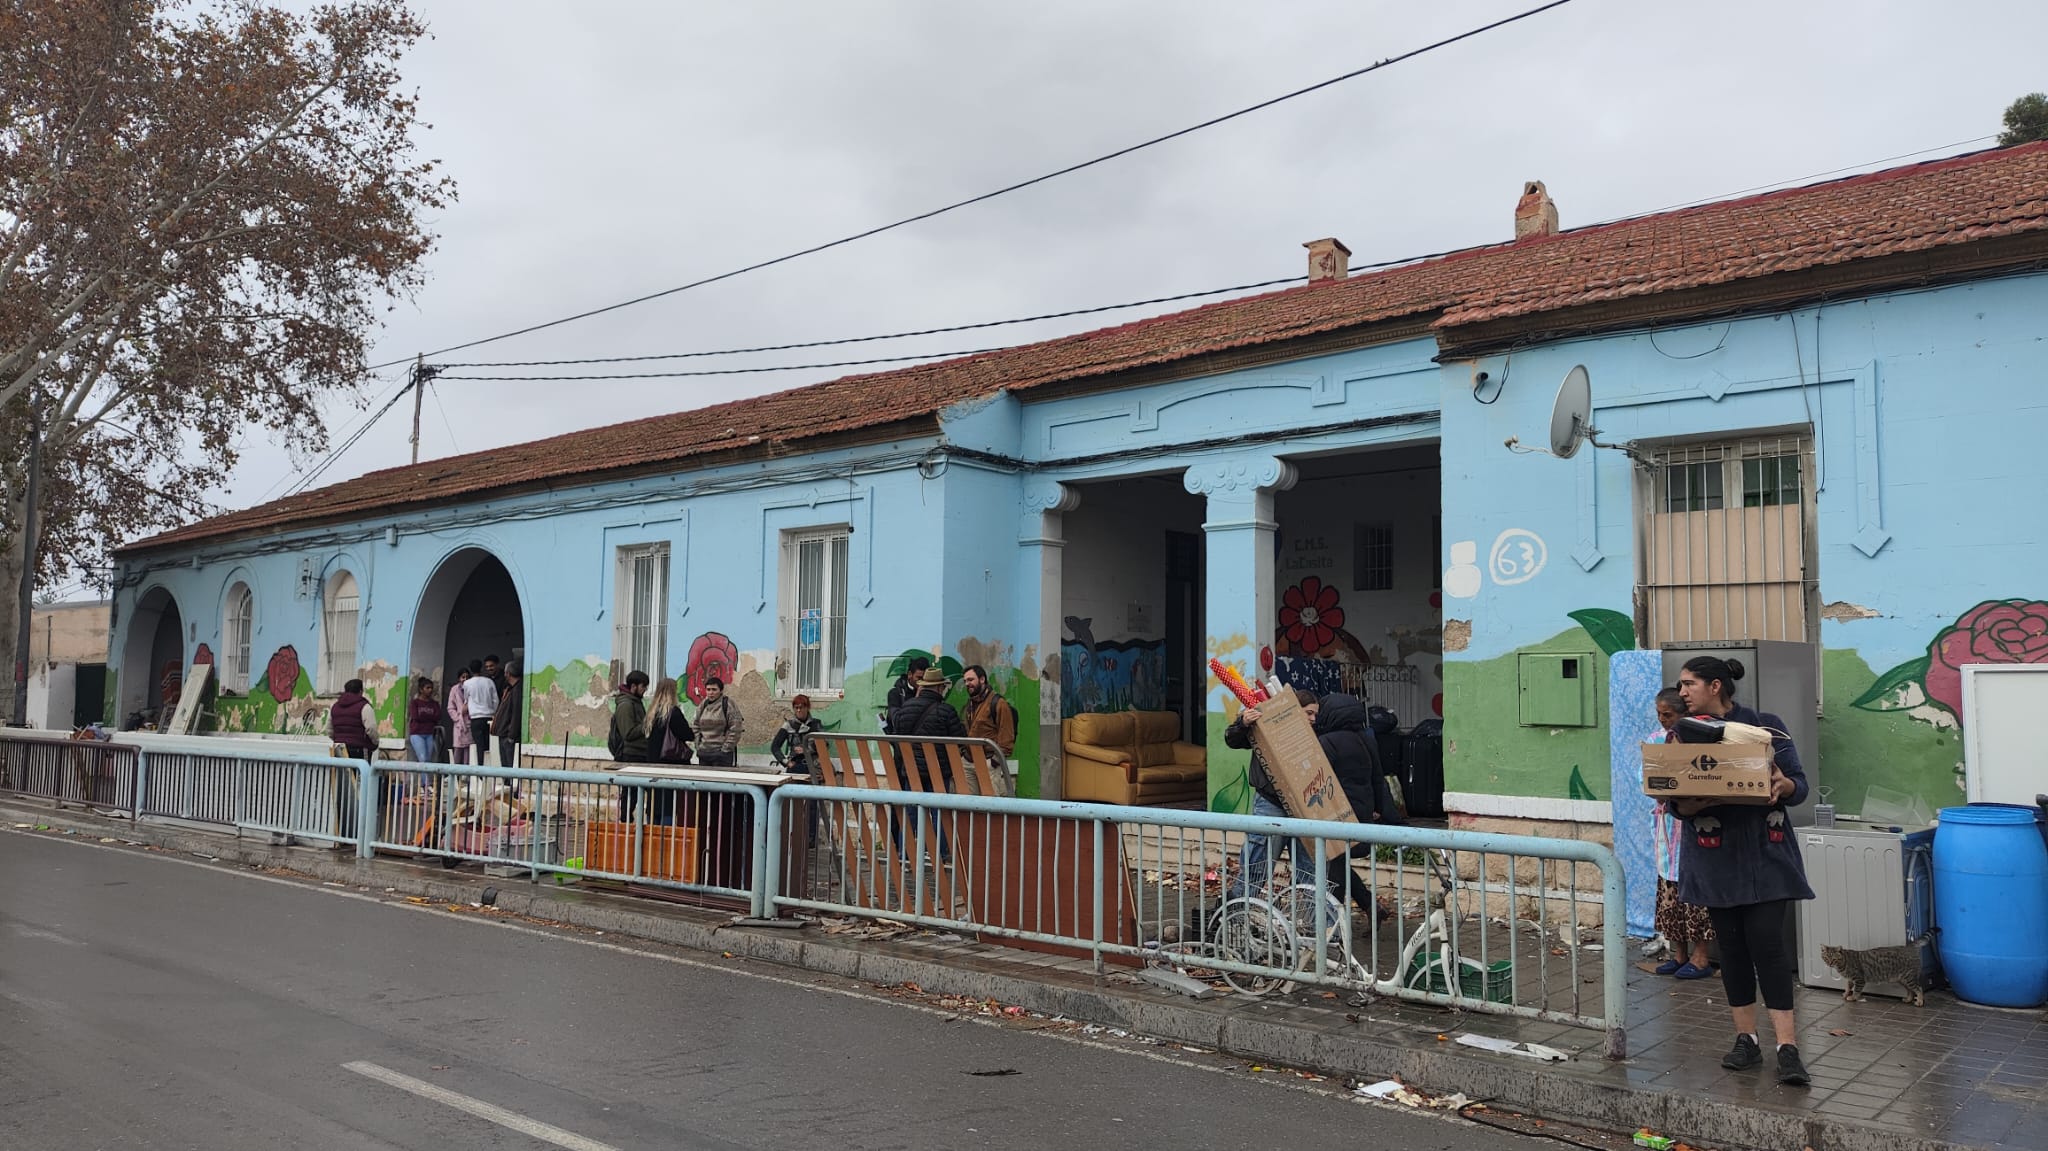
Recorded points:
(1518, 554)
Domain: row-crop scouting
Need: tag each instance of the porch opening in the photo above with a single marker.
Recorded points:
(152, 660)
(1134, 639)
(470, 609)
(1359, 599)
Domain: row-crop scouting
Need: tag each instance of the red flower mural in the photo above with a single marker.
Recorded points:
(1309, 615)
(1996, 631)
(711, 654)
(283, 673)
(2001, 631)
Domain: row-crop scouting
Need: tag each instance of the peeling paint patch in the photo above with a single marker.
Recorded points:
(1457, 634)
(990, 654)
(1842, 611)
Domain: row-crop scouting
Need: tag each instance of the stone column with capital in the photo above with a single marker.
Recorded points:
(1241, 601)
(1041, 537)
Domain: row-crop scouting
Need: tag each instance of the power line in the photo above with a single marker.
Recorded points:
(319, 469)
(746, 371)
(1071, 312)
(1007, 189)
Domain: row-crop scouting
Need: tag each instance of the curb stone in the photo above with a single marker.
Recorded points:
(1612, 1106)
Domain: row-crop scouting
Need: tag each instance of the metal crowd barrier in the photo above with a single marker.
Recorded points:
(54, 766)
(1474, 921)
(1461, 919)
(707, 837)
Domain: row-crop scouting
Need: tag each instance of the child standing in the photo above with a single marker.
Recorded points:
(1683, 924)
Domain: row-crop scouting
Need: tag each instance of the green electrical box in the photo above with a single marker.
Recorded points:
(1555, 689)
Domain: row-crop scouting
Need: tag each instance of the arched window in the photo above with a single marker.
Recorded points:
(338, 633)
(237, 632)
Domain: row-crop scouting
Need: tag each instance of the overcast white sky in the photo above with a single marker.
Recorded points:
(606, 150)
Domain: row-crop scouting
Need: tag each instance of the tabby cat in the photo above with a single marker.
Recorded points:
(1900, 965)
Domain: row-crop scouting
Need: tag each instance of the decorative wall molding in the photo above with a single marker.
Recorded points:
(1865, 399)
(860, 545)
(1231, 475)
(1047, 495)
(1588, 554)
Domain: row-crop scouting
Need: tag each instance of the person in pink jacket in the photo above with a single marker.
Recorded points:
(458, 720)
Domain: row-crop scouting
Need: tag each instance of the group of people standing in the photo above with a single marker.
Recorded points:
(660, 730)
(485, 700)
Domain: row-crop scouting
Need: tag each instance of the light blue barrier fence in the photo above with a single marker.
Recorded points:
(1479, 922)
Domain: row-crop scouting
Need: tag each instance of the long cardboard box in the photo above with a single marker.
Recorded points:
(1301, 773)
(1723, 772)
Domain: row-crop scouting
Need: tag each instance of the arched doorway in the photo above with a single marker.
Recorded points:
(152, 656)
(469, 610)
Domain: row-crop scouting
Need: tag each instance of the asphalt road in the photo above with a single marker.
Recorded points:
(147, 1003)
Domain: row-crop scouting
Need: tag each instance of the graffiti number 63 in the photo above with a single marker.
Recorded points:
(1517, 555)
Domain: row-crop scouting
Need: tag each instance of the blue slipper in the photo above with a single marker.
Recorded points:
(1669, 966)
(1688, 971)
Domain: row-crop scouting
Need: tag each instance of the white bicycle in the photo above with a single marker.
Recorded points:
(1282, 929)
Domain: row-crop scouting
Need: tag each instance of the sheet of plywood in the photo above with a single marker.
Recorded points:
(185, 720)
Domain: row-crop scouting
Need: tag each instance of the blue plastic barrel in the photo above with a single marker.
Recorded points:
(1991, 903)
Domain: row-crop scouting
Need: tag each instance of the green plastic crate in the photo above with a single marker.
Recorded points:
(1492, 984)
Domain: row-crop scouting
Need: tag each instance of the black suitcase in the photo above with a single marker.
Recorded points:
(1422, 769)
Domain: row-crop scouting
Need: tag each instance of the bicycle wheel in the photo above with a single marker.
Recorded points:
(1252, 931)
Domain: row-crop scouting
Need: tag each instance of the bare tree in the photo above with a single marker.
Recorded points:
(203, 208)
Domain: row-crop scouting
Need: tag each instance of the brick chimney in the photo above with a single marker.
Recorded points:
(1535, 215)
(1328, 259)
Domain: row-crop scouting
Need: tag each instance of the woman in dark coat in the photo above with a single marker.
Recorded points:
(1354, 757)
(1741, 863)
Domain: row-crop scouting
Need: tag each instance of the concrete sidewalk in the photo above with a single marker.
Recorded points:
(1887, 1077)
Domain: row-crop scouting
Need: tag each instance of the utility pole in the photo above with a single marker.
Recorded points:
(421, 373)
(29, 527)
(419, 384)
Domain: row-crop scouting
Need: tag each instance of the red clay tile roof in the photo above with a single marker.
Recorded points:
(1900, 210)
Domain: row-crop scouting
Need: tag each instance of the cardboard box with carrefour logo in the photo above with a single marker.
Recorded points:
(1723, 772)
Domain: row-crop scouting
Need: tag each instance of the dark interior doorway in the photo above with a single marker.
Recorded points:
(152, 657)
(89, 699)
(470, 610)
(1186, 672)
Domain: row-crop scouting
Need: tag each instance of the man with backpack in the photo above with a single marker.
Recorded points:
(989, 716)
(628, 742)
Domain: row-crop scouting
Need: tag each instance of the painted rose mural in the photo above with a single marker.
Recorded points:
(1995, 631)
(711, 654)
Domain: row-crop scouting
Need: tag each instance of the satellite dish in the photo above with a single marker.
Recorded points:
(1571, 422)
(1571, 419)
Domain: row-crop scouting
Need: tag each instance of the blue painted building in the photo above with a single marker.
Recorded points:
(1831, 397)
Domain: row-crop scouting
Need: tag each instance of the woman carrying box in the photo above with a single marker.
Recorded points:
(1739, 861)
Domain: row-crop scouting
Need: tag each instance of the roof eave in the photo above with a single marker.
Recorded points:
(186, 537)
(1979, 259)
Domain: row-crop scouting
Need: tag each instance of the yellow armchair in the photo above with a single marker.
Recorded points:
(1133, 758)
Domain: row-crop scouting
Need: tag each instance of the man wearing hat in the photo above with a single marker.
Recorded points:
(924, 716)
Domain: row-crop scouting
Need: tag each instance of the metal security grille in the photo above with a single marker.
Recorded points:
(236, 641)
(640, 630)
(814, 609)
(1727, 548)
(338, 662)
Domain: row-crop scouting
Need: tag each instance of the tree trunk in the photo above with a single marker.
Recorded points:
(10, 583)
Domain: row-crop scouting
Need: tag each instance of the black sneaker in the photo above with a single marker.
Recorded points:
(1791, 1072)
(1744, 1055)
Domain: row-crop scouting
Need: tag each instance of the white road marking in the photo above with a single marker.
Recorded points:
(562, 935)
(510, 1120)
